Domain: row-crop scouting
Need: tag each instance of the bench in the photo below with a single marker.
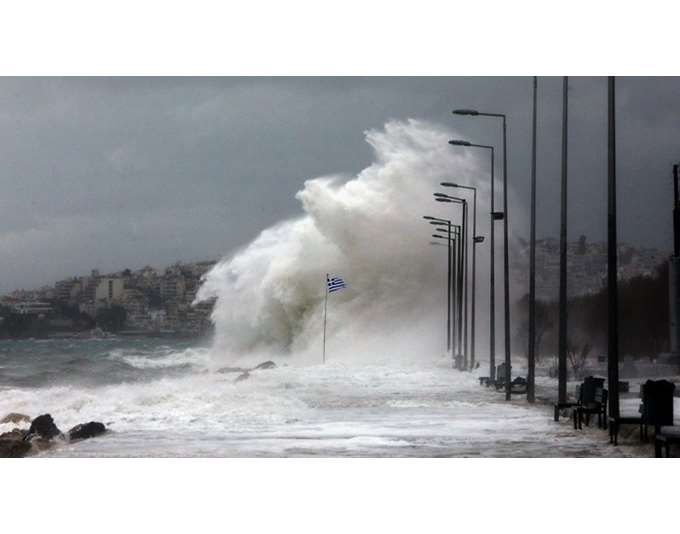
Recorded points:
(518, 386)
(616, 422)
(598, 406)
(559, 406)
(500, 377)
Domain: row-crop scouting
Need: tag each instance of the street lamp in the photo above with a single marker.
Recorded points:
(531, 354)
(437, 221)
(492, 255)
(462, 277)
(476, 240)
(562, 319)
(506, 253)
(453, 233)
(612, 247)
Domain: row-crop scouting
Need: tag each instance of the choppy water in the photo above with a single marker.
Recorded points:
(167, 399)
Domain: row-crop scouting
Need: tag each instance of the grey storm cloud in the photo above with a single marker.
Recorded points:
(111, 173)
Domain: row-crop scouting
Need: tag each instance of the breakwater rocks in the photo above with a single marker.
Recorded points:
(244, 372)
(41, 435)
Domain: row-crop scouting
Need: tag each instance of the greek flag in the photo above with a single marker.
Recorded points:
(335, 284)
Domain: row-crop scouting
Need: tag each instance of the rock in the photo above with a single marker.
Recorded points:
(243, 376)
(86, 430)
(40, 444)
(231, 370)
(17, 433)
(265, 365)
(43, 427)
(15, 418)
(13, 448)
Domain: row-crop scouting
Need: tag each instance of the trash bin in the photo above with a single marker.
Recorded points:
(657, 403)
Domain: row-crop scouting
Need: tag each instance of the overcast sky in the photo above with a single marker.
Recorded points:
(124, 172)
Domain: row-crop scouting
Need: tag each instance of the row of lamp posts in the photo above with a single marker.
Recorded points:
(495, 216)
(458, 246)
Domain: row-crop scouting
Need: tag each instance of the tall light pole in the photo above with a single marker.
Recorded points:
(463, 276)
(612, 248)
(476, 240)
(492, 269)
(531, 354)
(562, 349)
(454, 253)
(448, 278)
(674, 269)
(506, 253)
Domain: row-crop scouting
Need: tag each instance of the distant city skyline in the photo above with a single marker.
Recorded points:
(515, 262)
(123, 172)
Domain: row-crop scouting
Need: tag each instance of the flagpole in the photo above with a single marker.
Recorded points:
(325, 305)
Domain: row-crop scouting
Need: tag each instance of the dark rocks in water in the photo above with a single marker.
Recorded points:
(15, 418)
(244, 371)
(40, 444)
(243, 376)
(12, 444)
(43, 427)
(40, 436)
(86, 430)
(265, 365)
(17, 433)
(224, 370)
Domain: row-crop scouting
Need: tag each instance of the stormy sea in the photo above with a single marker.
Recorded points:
(387, 388)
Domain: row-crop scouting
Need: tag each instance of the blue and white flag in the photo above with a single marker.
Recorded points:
(335, 284)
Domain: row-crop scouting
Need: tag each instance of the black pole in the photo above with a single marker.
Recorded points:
(465, 283)
(674, 270)
(506, 264)
(562, 350)
(676, 213)
(448, 294)
(460, 293)
(474, 277)
(492, 280)
(454, 298)
(612, 249)
(531, 357)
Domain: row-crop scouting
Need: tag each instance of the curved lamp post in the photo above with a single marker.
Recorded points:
(462, 278)
(506, 254)
(492, 256)
(476, 240)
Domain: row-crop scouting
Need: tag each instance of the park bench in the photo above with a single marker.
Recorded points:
(598, 406)
(592, 399)
(585, 392)
(559, 406)
(500, 376)
(518, 386)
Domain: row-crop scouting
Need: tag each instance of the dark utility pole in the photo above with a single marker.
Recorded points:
(506, 264)
(448, 293)
(676, 212)
(531, 363)
(674, 270)
(612, 249)
(562, 350)
(466, 230)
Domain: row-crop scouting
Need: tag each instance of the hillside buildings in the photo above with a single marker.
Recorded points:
(586, 266)
(149, 300)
